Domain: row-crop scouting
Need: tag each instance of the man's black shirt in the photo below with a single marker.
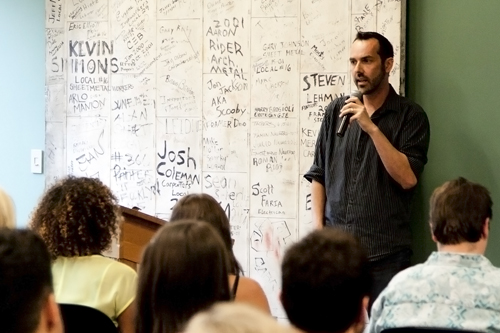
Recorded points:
(361, 196)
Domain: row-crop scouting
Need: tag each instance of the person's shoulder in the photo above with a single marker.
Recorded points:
(409, 275)
(121, 267)
(59, 261)
(488, 267)
(410, 112)
(409, 105)
(494, 269)
(403, 286)
(110, 265)
(249, 285)
(250, 291)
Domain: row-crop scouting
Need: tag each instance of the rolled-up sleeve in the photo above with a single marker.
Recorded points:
(414, 140)
(317, 170)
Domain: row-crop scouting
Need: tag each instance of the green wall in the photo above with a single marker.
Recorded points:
(453, 72)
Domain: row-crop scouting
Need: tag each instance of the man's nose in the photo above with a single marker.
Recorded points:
(357, 68)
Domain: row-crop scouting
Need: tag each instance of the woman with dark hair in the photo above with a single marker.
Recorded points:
(77, 218)
(183, 270)
(201, 206)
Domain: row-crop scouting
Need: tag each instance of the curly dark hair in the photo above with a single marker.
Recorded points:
(77, 216)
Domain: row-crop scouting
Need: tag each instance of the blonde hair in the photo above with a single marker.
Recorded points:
(235, 318)
(7, 211)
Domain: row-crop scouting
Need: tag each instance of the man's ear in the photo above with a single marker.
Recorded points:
(434, 239)
(389, 63)
(486, 228)
(50, 319)
(363, 314)
(365, 302)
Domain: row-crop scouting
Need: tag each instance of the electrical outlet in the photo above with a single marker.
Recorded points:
(36, 160)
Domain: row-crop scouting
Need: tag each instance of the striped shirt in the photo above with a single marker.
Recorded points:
(361, 196)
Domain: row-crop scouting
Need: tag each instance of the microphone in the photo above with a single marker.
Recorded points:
(345, 119)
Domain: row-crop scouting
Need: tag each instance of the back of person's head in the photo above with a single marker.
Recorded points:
(325, 281)
(234, 318)
(26, 284)
(458, 211)
(385, 49)
(203, 207)
(7, 212)
(77, 216)
(183, 270)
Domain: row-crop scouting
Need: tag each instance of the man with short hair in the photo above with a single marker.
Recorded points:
(326, 282)
(27, 303)
(363, 182)
(457, 287)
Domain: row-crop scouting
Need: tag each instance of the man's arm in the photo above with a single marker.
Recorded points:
(316, 174)
(318, 199)
(395, 162)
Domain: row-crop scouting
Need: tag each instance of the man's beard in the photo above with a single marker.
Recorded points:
(371, 85)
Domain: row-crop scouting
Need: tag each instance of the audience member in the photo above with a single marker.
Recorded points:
(205, 208)
(27, 303)
(78, 218)
(235, 318)
(183, 270)
(326, 282)
(457, 287)
(7, 212)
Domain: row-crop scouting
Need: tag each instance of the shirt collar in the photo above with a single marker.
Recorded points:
(391, 103)
(458, 259)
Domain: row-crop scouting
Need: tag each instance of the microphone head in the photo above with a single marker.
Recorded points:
(358, 94)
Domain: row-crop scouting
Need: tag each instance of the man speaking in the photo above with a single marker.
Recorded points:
(363, 176)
